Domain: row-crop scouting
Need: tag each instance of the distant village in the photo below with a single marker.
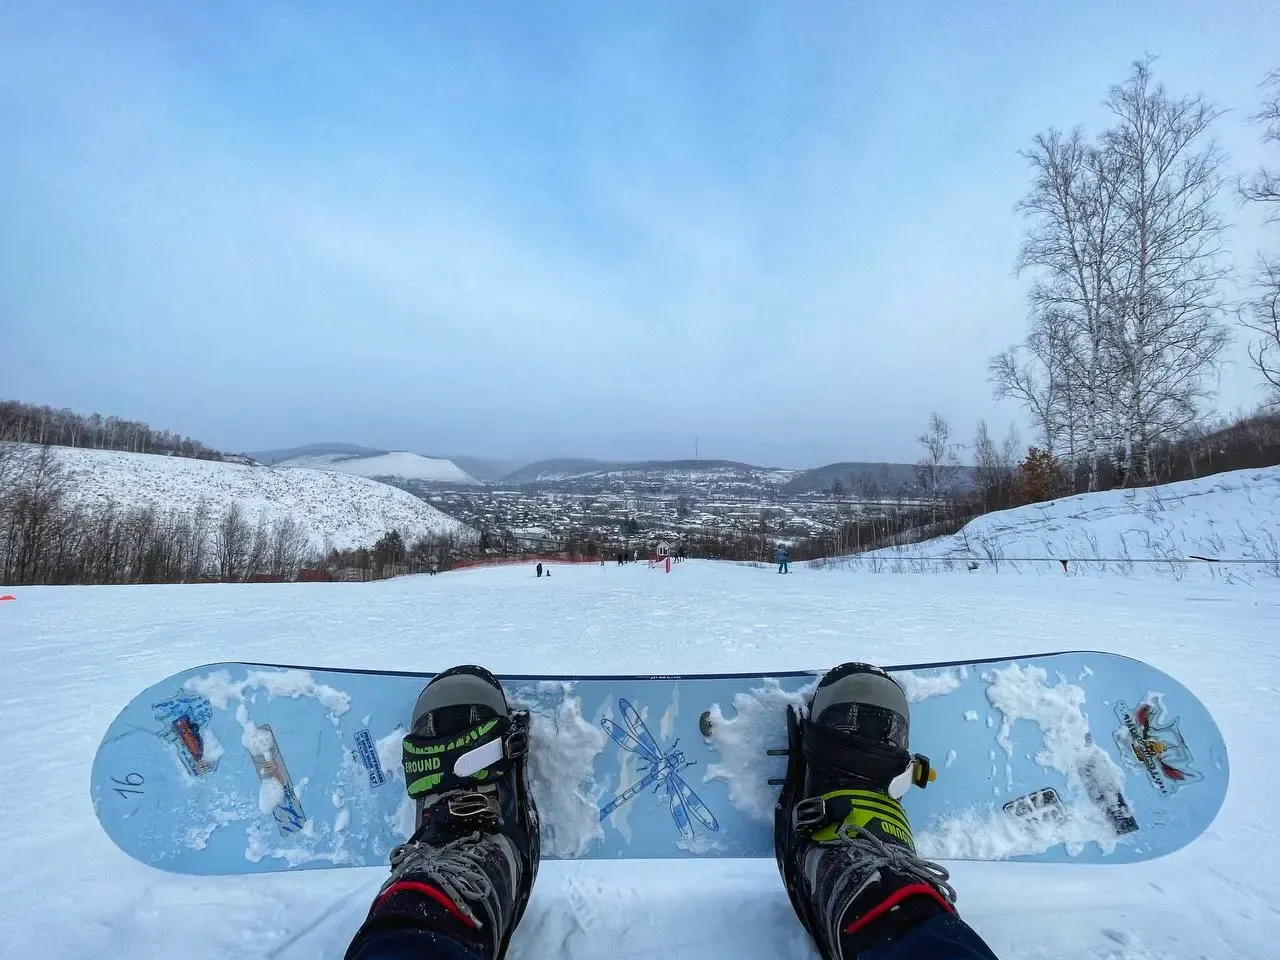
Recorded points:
(643, 523)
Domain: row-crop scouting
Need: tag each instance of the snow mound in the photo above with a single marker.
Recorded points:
(400, 465)
(345, 511)
(1228, 516)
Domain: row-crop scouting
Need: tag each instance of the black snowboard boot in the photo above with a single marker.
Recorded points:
(468, 870)
(841, 837)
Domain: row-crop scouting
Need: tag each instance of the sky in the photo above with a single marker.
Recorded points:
(780, 233)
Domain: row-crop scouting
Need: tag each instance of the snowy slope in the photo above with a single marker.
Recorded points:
(1229, 516)
(349, 511)
(399, 465)
(74, 656)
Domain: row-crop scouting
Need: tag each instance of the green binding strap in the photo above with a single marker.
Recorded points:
(429, 761)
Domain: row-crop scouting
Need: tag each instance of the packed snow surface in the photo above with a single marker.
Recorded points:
(347, 511)
(399, 464)
(1228, 516)
(74, 656)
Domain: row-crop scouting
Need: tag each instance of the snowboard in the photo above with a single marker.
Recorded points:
(1076, 757)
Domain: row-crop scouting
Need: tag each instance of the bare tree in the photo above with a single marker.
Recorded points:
(1164, 290)
(993, 473)
(290, 544)
(231, 543)
(1126, 313)
(34, 502)
(1074, 244)
(197, 551)
(1034, 372)
(1262, 314)
(259, 552)
(940, 468)
(1264, 185)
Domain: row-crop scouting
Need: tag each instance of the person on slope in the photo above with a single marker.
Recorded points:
(459, 886)
(781, 557)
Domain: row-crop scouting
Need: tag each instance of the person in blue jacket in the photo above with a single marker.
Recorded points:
(782, 558)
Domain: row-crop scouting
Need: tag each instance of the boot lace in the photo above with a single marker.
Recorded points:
(868, 850)
(456, 867)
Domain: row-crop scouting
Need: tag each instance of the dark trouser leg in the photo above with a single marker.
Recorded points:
(945, 937)
(414, 945)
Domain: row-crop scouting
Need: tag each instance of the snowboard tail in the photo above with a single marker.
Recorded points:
(1075, 757)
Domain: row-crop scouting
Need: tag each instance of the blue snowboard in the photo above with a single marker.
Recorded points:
(1076, 757)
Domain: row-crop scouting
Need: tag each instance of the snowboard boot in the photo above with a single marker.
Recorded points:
(468, 869)
(841, 837)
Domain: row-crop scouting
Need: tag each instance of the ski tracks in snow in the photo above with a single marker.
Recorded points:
(626, 910)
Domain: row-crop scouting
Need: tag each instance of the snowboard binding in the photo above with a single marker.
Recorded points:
(806, 740)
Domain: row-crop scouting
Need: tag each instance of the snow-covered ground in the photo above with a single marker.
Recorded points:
(349, 511)
(399, 465)
(1227, 518)
(74, 656)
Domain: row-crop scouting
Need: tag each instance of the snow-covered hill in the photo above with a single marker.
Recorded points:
(344, 510)
(1231, 516)
(397, 465)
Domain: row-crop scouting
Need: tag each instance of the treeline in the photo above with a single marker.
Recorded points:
(390, 557)
(1000, 478)
(28, 423)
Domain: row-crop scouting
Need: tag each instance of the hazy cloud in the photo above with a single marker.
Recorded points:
(575, 230)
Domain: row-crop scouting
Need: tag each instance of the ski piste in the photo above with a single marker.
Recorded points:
(1072, 757)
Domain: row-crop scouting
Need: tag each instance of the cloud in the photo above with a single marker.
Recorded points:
(581, 231)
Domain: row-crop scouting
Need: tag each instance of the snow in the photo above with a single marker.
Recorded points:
(349, 511)
(219, 689)
(918, 687)
(74, 656)
(742, 739)
(1145, 531)
(1020, 693)
(564, 777)
(271, 794)
(399, 464)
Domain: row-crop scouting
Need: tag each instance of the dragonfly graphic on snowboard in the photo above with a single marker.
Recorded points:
(663, 770)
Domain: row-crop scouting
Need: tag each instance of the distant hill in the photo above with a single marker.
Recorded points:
(556, 468)
(394, 466)
(343, 510)
(884, 478)
(272, 457)
(420, 474)
(487, 469)
(572, 469)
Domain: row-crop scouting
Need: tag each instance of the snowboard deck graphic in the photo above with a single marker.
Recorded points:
(1076, 757)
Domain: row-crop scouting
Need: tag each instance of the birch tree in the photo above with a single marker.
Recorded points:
(940, 468)
(231, 542)
(1262, 315)
(1126, 317)
(1264, 185)
(1263, 318)
(1074, 244)
(1034, 372)
(1163, 291)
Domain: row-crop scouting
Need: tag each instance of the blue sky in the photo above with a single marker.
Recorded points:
(570, 229)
